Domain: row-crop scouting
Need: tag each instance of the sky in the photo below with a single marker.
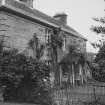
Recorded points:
(80, 14)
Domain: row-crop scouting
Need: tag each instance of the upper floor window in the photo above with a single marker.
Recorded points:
(64, 43)
(47, 36)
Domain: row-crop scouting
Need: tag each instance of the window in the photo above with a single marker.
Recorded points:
(47, 36)
(64, 43)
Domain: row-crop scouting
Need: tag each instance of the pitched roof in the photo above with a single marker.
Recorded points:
(33, 14)
(72, 31)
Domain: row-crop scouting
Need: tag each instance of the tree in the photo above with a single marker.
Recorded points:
(72, 58)
(99, 69)
(99, 62)
(100, 30)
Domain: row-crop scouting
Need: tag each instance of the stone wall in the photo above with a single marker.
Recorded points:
(19, 31)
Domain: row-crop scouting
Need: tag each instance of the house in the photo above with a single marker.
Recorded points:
(20, 22)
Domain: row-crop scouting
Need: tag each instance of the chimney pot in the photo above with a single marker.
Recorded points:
(61, 17)
(28, 2)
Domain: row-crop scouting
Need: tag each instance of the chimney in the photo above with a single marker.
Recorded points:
(61, 17)
(29, 3)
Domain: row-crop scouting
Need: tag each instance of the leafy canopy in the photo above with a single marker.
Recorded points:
(99, 62)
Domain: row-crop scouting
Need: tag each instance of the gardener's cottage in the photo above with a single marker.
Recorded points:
(20, 23)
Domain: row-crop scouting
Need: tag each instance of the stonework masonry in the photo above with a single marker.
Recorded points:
(19, 30)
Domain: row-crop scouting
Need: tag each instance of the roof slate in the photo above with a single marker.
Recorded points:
(38, 15)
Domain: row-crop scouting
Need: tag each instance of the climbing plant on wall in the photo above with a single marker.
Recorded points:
(24, 78)
(36, 46)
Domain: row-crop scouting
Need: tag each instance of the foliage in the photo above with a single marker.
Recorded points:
(99, 68)
(74, 55)
(24, 78)
(99, 62)
(100, 29)
(17, 66)
(36, 46)
(56, 40)
(72, 59)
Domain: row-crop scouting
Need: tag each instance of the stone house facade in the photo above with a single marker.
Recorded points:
(19, 21)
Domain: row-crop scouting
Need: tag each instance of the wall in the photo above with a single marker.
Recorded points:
(19, 30)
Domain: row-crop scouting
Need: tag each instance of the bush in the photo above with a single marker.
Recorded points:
(23, 78)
